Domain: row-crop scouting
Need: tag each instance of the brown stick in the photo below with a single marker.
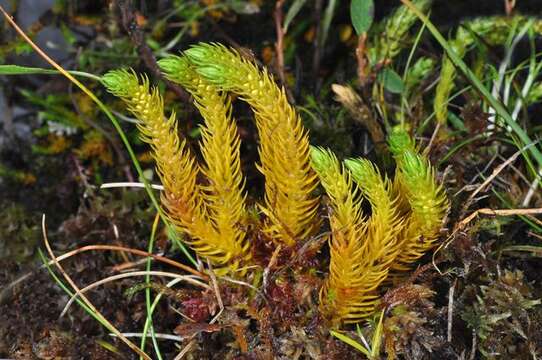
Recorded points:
(361, 57)
(279, 44)
(485, 211)
(317, 51)
(138, 39)
(133, 251)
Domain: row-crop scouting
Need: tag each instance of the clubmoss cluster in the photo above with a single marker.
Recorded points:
(406, 213)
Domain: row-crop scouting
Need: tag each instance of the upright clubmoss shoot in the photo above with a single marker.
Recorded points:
(223, 194)
(189, 205)
(404, 224)
(348, 293)
(425, 199)
(284, 145)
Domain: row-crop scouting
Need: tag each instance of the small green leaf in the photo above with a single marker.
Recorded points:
(391, 81)
(362, 14)
(292, 12)
(356, 345)
(25, 70)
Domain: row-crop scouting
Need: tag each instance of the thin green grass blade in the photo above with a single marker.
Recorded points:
(377, 337)
(292, 13)
(64, 287)
(356, 345)
(96, 316)
(326, 22)
(407, 67)
(25, 70)
(148, 321)
(535, 227)
(534, 250)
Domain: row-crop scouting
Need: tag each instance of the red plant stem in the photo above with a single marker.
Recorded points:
(279, 44)
(363, 64)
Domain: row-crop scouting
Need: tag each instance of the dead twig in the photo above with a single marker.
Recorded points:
(270, 266)
(463, 223)
(451, 310)
(493, 175)
(279, 44)
(188, 278)
(217, 292)
(432, 140)
(133, 251)
(316, 58)
(500, 212)
(363, 62)
(361, 112)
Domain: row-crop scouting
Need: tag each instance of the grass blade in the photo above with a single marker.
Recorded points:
(25, 70)
(356, 345)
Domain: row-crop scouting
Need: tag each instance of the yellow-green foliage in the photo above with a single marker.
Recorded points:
(426, 199)
(394, 35)
(193, 208)
(418, 72)
(384, 223)
(404, 223)
(284, 144)
(223, 194)
(347, 295)
(208, 203)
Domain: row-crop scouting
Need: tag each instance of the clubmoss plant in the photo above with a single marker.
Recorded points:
(396, 29)
(284, 144)
(417, 185)
(406, 213)
(404, 224)
(224, 193)
(200, 211)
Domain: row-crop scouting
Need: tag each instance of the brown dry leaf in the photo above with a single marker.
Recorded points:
(190, 329)
(407, 294)
(239, 332)
(361, 113)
